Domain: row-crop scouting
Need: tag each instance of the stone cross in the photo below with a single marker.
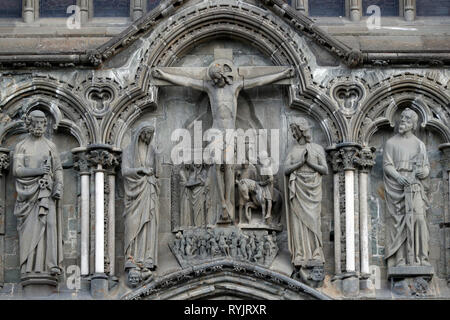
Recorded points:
(223, 81)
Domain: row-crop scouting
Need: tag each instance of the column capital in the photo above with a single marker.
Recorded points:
(105, 155)
(343, 156)
(4, 159)
(365, 159)
(80, 162)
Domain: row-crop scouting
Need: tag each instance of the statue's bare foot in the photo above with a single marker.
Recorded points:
(55, 271)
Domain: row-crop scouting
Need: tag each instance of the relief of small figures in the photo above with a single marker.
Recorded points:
(198, 245)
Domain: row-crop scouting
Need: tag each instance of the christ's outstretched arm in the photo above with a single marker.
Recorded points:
(268, 79)
(179, 80)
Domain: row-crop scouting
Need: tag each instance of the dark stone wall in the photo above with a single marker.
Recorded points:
(10, 9)
(54, 8)
(433, 8)
(326, 8)
(111, 8)
(388, 7)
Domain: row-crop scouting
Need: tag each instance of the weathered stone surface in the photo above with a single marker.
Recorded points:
(99, 89)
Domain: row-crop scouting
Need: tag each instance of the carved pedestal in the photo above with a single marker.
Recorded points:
(312, 274)
(411, 280)
(38, 285)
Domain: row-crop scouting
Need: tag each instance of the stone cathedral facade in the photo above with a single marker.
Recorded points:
(115, 181)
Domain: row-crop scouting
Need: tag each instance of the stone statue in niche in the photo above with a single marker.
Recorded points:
(406, 169)
(141, 212)
(39, 185)
(304, 167)
(223, 81)
(195, 200)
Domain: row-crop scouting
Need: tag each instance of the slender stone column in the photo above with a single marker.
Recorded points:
(445, 160)
(4, 166)
(138, 9)
(409, 10)
(84, 11)
(112, 213)
(365, 160)
(102, 158)
(350, 220)
(81, 164)
(28, 11)
(99, 220)
(336, 165)
(363, 223)
(346, 157)
(302, 6)
(337, 225)
(355, 10)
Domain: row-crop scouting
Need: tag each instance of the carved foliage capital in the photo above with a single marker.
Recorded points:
(80, 162)
(344, 157)
(365, 159)
(108, 159)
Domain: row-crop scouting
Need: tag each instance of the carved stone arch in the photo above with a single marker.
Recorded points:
(217, 19)
(67, 110)
(327, 115)
(116, 125)
(425, 97)
(52, 106)
(226, 278)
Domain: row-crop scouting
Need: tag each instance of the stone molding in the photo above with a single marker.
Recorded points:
(155, 285)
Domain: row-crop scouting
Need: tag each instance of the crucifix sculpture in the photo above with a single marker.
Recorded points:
(223, 81)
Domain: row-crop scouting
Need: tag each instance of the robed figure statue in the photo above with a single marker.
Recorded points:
(141, 201)
(406, 168)
(39, 185)
(304, 167)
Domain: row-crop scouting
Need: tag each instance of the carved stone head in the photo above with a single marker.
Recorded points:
(147, 134)
(317, 274)
(134, 277)
(300, 128)
(36, 123)
(408, 121)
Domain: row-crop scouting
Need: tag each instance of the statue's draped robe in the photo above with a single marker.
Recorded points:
(185, 203)
(405, 154)
(35, 208)
(195, 200)
(141, 205)
(304, 194)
